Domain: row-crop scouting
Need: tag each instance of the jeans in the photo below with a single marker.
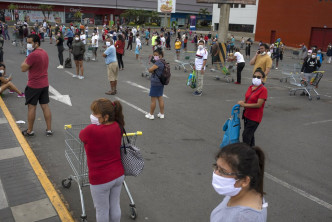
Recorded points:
(6, 35)
(248, 135)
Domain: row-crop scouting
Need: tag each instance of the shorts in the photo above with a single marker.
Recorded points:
(32, 96)
(156, 91)
(1, 55)
(78, 57)
(94, 49)
(112, 71)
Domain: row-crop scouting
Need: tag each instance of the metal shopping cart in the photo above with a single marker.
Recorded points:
(291, 73)
(185, 58)
(225, 70)
(88, 55)
(76, 157)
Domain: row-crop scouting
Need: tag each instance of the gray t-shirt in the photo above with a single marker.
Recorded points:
(223, 213)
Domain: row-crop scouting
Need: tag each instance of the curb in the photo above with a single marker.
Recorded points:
(54, 197)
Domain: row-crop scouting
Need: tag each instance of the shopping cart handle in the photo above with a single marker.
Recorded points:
(68, 126)
(137, 133)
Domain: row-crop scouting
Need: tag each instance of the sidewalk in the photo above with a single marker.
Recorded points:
(26, 194)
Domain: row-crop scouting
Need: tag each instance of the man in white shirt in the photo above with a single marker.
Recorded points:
(200, 62)
(240, 64)
(163, 40)
(83, 38)
(94, 43)
(134, 31)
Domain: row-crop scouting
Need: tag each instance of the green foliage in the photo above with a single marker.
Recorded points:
(12, 7)
(204, 11)
(140, 16)
(131, 23)
(154, 24)
(46, 9)
(78, 15)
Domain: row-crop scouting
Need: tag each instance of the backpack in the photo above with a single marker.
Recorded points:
(166, 75)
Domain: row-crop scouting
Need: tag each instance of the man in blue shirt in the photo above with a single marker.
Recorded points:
(112, 65)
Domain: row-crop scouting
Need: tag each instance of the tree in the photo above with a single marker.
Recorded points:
(204, 11)
(46, 9)
(78, 15)
(12, 9)
(140, 16)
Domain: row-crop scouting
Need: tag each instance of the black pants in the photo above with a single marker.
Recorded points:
(60, 54)
(69, 42)
(130, 43)
(248, 135)
(240, 67)
(120, 62)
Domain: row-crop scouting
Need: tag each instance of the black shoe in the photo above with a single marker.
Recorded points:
(49, 133)
(25, 133)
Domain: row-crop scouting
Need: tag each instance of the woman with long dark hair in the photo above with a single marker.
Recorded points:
(239, 176)
(119, 46)
(59, 45)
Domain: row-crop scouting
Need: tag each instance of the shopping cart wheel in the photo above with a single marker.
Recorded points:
(84, 218)
(310, 98)
(318, 97)
(66, 183)
(133, 213)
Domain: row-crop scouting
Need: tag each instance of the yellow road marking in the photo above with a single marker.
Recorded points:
(45, 182)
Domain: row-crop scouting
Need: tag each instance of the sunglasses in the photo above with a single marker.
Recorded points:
(258, 77)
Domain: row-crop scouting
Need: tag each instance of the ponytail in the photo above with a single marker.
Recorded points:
(261, 161)
(105, 107)
(118, 115)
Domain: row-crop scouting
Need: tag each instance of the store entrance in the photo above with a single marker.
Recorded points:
(98, 20)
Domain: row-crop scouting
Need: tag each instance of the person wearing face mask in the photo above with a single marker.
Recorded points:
(200, 63)
(329, 53)
(94, 42)
(6, 83)
(138, 46)
(112, 66)
(70, 36)
(177, 46)
(253, 105)
(59, 45)
(102, 142)
(78, 49)
(37, 88)
(320, 56)
(156, 88)
(310, 65)
(262, 60)
(239, 176)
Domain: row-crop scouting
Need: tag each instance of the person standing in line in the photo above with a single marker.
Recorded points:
(94, 43)
(134, 31)
(5, 28)
(70, 36)
(37, 88)
(248, 48)
(102, 142)
(329, 53)
(78, 49)
(177, 46)
(242, 42)
(232, 44)
(168, 41)
(255, 98)
(86, 31)
(147, 37)
(120, 45)
(163, 41)
(239, 176)
(240, 64)
(130, 41)
(112, 65)
(157, 88)
(138, 46)
(200, 63)
(262, 60)
(83, 37)
(59, 45)
(215, 50)
(185, 42)
(50, 33)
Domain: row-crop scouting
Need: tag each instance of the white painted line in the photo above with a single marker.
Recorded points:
(3, 198)
(131, 105)
(299, 191)
(59, 97)
(11, 153)
(318, 122)
(71, 74)
(142, 87)
(3, 120)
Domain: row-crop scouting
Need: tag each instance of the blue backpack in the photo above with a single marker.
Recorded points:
(232, 128)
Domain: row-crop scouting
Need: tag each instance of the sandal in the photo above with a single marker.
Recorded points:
(25, 133)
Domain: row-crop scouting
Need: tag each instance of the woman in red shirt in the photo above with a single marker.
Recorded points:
(255, 98)
(102, 142)
(120, 45)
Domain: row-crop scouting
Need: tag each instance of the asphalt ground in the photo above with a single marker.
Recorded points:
(179, 150)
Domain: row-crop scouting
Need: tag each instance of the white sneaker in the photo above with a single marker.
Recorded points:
(161, 116)
(149, 116)
(81, 77)
(93, 59)
(60, 67)
(75, 76)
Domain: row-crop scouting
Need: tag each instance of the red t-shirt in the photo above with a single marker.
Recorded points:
(255, 114)
(119, 45)
(38, 62)
(102, 146)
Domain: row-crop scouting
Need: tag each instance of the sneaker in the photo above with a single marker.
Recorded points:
(149, 116)
(93, 59)
(11, 91)
(81, 77)
(161, 116)
(22, 95)
(276, 67)
(196, 93)
(49, 133)
(25, 133)
(60, 67)
(75, 76)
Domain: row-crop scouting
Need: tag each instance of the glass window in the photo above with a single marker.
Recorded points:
(243, 5)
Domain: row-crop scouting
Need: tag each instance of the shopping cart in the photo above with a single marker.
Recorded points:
(291, 73)
(88, 55)
(146, 63)
(185, 58)
(225, 70)
(309, 81)
(76, 157)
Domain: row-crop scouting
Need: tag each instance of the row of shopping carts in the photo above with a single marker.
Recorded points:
(76, 157)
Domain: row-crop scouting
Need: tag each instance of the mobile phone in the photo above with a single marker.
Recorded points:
(258, 52)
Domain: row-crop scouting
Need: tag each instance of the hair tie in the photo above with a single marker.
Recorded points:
(113, 104)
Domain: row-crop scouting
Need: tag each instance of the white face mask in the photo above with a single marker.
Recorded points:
(256, 82)
(225, 186)
(313, 56)
(29, 47)
(200, 47)
(263, 53)
(94, 120)
(108, 43)
(2, 71)
(76, 38)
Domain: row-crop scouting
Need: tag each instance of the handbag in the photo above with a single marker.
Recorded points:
(132, 160)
